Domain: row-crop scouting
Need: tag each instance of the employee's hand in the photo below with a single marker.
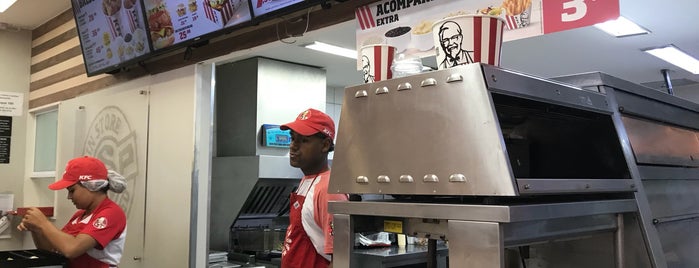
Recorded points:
(34, 219)
(21, 227)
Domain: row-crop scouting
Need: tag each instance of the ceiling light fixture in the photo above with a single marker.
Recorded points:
(674, 55)
(5, 4)
(621, 27)
(331, 49)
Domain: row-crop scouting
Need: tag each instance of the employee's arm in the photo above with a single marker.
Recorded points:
(46, 236)
(68, 245)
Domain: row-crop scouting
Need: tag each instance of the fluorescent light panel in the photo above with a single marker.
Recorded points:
(621, 27)
(5, 4)
(335, 50)
(676, 56)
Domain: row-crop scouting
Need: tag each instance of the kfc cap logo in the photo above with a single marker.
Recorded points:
(85, 177)
(304, 115)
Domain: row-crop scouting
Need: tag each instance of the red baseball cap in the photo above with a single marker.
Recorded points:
(310, 122)
(81, 169)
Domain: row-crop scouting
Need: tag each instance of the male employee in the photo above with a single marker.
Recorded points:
(309, 239)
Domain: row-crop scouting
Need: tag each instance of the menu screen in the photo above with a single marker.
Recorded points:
(111, 32)
(174, 21)
(261, 7)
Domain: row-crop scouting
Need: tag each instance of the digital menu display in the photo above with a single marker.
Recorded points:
(261, 7)
(111, 32)
(175, 21)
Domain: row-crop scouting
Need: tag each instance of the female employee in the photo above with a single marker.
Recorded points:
(309, 242)
(94, 236)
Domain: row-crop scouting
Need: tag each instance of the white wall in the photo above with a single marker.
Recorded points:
(15, 55)
(169, 175)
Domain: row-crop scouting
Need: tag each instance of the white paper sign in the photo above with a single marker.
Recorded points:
(11, 103)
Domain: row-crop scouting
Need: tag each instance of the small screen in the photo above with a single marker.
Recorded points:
(273, 136)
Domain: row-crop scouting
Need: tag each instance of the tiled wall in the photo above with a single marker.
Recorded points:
(333, 103)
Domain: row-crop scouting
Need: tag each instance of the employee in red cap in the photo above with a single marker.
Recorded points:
(309, 242)
(94, 236)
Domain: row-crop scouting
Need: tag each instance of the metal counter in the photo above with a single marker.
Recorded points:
(484, 231)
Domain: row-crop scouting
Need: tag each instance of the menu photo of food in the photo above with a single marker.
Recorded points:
(174, 21)
(111, 32)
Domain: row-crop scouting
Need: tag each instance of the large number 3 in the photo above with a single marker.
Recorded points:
(580, 10)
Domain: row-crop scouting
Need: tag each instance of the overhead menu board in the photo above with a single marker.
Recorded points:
(261, 7)
(171, 22)
(112, 32)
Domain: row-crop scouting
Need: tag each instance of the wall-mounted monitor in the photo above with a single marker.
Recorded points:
(173, 22)
(112, 33)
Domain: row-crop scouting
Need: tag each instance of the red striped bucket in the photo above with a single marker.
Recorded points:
(468, 39)
(376, 62)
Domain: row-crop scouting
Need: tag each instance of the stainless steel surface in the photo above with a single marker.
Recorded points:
(450, 115)
(660, 144)
(526, 86)
(557, 186)
(680, 242)
(394, 256)
(232, 183)
(493, 213)
(669, 198)
(597, 79)
(343, 240)
(668, 173)
(476, 136)
(488, 252)
(650, 234)
(619, 242)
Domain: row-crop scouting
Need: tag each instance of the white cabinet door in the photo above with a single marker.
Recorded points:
(111, 125)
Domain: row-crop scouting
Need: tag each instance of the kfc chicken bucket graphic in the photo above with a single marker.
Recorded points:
(376, 62)
(468, 39)
(221, 11)
(518, 13)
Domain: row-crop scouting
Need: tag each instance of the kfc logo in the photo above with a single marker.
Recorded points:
(85, 177)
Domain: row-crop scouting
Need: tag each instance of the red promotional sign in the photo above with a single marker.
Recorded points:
(561, 15)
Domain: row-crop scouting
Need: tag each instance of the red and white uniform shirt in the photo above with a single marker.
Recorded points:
(315, 220)
(107, 225)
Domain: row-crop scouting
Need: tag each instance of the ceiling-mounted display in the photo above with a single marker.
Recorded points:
(112, 33)
(171, 22)
(261, 7)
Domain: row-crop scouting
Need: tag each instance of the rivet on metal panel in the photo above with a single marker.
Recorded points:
(381, 90)
(621, 108)
(633, 185)
(406, 179)
(383, 179)
(656, 221)
(405, 86)
(492, 77)
(457, 178)
(428, 82)
(143, 92)
(430, 178)
(558, 92)
(360, 94)
(362, 179)
(81, 107)
(527, 186)
(587, 186)
(455, 78)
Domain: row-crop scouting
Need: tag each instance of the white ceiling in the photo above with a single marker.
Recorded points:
(29, 14)
(575, 51)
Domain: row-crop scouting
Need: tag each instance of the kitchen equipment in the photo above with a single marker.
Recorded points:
(496, 161)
